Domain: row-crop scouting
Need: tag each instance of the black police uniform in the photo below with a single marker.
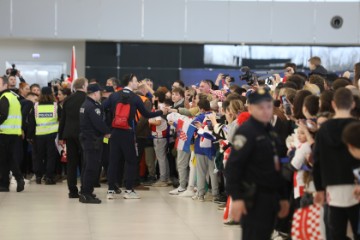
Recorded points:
(92, 131)
(253, 174)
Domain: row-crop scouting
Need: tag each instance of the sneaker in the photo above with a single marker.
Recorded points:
(222, 207)
(177, 191)
(208, 197)
(231, 223)
(13, 180)
(187, 193)
(220, 199)
(198, 198)
(131, 194)
(38, 180)
(160, 184)
(89, 199)
(50, 181)
(118, 191)
(27, 181)
(149, 182)
(141, 187)
(20, 185)
(110, 194)
(73, 195)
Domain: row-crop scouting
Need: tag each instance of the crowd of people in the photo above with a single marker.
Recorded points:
(259, 151)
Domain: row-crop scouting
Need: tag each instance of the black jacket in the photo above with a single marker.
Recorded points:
(70, 124)
(4, 107)
(135, 104)
(333, 164)
(92, 119)
(251, 161)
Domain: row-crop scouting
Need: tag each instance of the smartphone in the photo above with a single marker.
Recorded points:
(156, 104)
(286, 105)
(209, 125)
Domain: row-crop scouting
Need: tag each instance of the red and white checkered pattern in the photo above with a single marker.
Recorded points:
(307, 223)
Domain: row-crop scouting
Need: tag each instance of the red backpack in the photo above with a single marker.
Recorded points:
(121, 116)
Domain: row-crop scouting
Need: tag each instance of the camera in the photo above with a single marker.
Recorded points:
(12, 71)
(269, 80)
(248, 76)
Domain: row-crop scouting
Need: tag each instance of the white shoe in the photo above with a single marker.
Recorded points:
(13, 180)
(160, 184)
(187, 193)
(131, 194)
(198, 198)
(26, 181)
(177, 191)
(209, 197)
(110, 194)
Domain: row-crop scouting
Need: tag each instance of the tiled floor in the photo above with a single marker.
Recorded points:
(45, 212)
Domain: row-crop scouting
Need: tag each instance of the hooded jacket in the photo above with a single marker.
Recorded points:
(333, 163)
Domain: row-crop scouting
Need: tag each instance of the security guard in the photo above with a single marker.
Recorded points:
(10, 137)
(93, 129)
(47, 125)
(253, 177)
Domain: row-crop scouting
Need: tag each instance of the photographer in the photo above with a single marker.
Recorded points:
(14, 72)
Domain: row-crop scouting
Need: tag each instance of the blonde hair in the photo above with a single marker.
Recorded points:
(236, 107)
(313, 88)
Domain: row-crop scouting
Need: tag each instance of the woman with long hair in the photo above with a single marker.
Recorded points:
(47, 124)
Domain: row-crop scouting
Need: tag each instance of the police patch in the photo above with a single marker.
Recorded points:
(98, 112)
(239, 142)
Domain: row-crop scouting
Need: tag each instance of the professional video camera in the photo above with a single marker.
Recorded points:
(248, 76)
(12, 71)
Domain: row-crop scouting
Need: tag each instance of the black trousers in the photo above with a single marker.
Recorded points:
(46, 157)
(92, 163)
(74, 157)
(123, 159)
(259, 223)
(338, 220)
(26, 163)
(10, 146)
(141, 144)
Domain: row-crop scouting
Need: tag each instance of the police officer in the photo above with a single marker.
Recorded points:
(47, 125)
(253, 177)
(93, 129)
(10, 137)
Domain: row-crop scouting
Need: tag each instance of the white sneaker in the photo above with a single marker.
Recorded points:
(187, 193)
(131, 194)
(177, 191)
(27, 181)
(209, 197)
(198, 198)
(110, 194)
(13, 180)
(160, 184)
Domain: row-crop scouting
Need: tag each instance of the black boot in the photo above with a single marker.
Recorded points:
(20, 185)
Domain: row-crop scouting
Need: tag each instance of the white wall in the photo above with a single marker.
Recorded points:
(50, 51)
(219, 21)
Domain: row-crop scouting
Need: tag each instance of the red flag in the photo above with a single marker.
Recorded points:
(73, 71)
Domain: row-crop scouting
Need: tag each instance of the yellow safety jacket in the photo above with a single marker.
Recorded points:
(12, 125)
(46, 119)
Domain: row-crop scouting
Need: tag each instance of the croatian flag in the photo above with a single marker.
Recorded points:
(73, 70)
(185, 132)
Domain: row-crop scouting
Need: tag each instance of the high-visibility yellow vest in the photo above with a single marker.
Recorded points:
(46, 119)
(12, 125)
